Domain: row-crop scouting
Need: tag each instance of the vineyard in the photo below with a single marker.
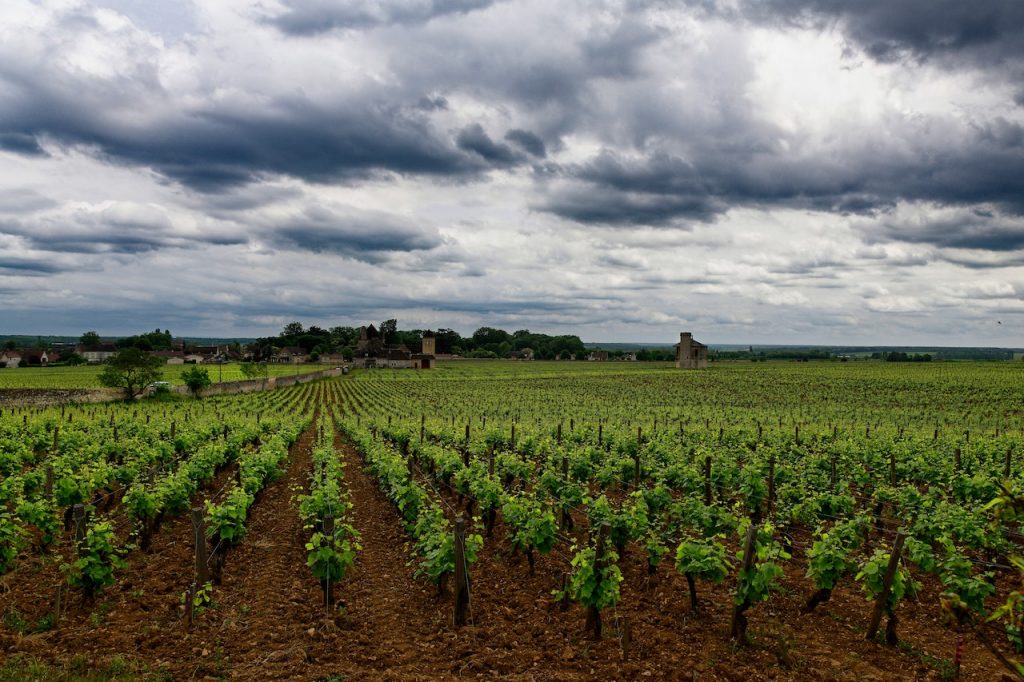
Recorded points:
(530, 520)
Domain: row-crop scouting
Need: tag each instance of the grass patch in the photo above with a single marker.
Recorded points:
(21, 668)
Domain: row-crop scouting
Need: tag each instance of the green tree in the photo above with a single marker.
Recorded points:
(197, 378)
(255, 370)
(89, 339)
(73, 359)
(132, 370)
(388, 328)
(292, 329)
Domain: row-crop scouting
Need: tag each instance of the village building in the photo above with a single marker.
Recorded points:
(690, 353)
(29, 356)
(525, 354)
(291, 355)
(331, 359)
(598, 356)
(628, 357)
(94, 355)
(171, 357)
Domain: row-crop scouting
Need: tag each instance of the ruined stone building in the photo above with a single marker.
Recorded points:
(690, 353)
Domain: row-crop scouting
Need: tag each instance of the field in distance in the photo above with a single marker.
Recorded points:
(87, 376)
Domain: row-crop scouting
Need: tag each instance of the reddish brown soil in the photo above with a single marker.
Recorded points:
(268, 622)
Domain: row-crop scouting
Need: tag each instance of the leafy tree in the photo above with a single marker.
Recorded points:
(489, 337)
(132, 370)
(72, 359)
(447, 340)
(10, 345)
(154, 340)
(89, 339)
(344, 336)
(255, 370)
(388, 329)
(292, 329)
(196, 378)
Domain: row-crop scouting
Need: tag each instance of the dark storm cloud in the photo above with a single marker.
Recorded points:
(979, 228)
(980, 31)
(20, 143)
(473, 138)
(313, 17)
(528, 142)
(215, 148)
(986, 166)
(363, 235)
(28, 266)
(657, 190)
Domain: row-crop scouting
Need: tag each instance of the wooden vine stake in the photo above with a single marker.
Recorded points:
(707, 480)
(461, 576)
(883, 597)
(325, 584)
(202, 572)
(738, 629)
(566, 515)
(48, 483)
(593, 624)
(79, 517)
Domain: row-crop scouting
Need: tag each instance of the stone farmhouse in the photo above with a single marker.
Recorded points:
(690, 353)
(598, 356)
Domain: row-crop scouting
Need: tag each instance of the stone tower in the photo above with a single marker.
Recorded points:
(690, 353)
(429, 343)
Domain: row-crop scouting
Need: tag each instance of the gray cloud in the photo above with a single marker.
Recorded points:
(473, 138)
(983, 31)
(363, 235)
(21, 143)
(978, 228)
(28, 266)
(986, 167)
(528, 142)
(313, 17)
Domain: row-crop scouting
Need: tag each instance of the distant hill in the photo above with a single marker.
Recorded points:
(779, 350)
(22, 340)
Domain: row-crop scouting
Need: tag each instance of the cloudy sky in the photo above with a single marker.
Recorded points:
(753, 170)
